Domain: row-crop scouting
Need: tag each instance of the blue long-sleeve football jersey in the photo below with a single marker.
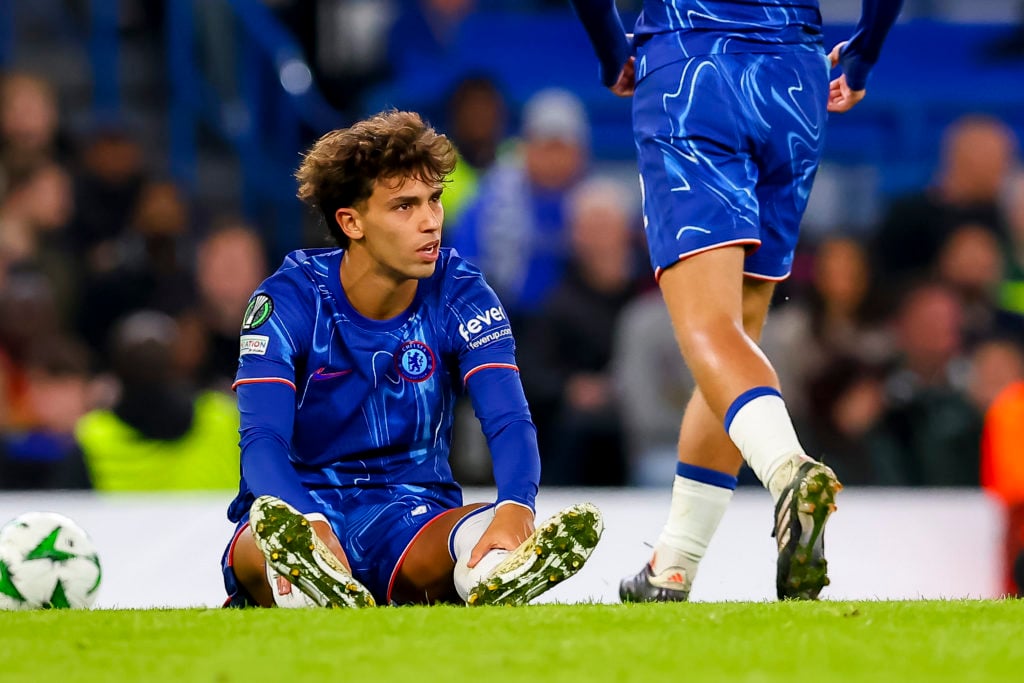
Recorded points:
(330, 399)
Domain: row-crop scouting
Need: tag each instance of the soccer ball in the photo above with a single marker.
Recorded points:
(47, 561)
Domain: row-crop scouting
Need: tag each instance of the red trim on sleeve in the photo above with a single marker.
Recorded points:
(489, 365)
(263, 380)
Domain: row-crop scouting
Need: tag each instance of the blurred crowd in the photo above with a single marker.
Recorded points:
(119, 311)
(120, 301)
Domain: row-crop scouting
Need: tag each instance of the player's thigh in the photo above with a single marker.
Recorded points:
(788, 156)
(696, 171)
(425, 572)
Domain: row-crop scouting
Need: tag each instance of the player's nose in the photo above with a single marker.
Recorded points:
(432, 219)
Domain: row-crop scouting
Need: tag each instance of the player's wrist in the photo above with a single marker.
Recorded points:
(855, 69)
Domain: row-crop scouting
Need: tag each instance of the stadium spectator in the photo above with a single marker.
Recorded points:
(109, 175)
(351, 360)
(1002, 475)
(971, 263)
(1011, 291)
(515, 229)
(838, 316)
(29, 123)
(230, 263)
(978, 153)
(29, 315)
(151, 266)
(846, 398)
(652, 385)
(161, 434)
(995, 363)
(724, 169)
(566, 354)
(43, 454)
(33, 236)
(929, 432)
(476, 120)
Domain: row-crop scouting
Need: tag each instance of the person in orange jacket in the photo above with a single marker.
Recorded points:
(1002, 473)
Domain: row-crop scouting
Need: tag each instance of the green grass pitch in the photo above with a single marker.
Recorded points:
(684, 643)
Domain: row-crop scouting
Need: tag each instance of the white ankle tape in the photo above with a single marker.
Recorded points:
(463, 539)
(466, 578)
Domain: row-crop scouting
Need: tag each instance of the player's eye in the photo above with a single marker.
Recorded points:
(436, 198)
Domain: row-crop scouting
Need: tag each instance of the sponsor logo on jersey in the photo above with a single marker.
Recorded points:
(257, 312)
(480, 322)
(415, 361)
(490, 337)
(255, 344)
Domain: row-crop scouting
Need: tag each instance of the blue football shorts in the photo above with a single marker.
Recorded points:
(728, 145)
(375, 527)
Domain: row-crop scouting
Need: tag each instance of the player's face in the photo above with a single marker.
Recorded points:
(401, 226)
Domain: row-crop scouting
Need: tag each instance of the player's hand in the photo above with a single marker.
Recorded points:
(326, 534)
(512, 524)
(840, 97)
(833, 56)
(626, 83)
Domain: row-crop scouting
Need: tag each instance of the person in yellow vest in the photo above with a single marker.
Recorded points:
(476, 114)
(1002, 474)
(161, 434)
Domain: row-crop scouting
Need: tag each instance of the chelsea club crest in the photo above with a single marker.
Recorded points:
(415, 361)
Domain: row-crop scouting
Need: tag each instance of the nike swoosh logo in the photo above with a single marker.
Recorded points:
(321, 375)
(694, 228)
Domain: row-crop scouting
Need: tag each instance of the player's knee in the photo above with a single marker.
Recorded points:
(703, 333)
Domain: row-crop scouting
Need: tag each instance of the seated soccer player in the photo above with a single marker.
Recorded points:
(351, 359)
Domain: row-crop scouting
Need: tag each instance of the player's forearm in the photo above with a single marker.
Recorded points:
(604, 27)
(500, 405)
(268, 471)
(267, 415)
(862, 50)
(516, 462)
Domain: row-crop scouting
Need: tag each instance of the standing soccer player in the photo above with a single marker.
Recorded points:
(729, 110)
(350, 363)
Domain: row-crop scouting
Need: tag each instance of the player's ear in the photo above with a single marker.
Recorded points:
(348, 221)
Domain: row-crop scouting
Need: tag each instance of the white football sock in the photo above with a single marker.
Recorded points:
(693, 517)
(763, 431)
(464, 538)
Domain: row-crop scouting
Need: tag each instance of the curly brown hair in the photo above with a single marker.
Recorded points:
(340, 169)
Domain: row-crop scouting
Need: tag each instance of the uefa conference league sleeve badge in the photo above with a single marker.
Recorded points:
(259, 310)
